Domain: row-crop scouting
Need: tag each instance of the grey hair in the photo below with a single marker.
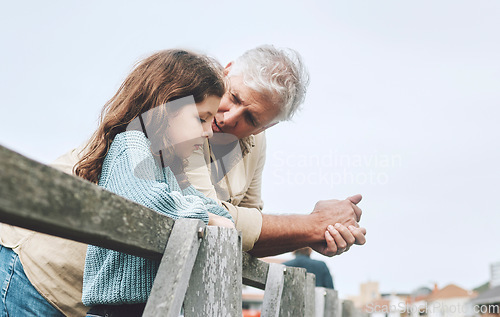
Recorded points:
(277, 73)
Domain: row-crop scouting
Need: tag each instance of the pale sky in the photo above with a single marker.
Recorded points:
(403, 107)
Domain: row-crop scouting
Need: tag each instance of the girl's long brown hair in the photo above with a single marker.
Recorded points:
(164, 76)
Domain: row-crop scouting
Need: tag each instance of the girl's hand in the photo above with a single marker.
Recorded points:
(344, 237)
(215, 220)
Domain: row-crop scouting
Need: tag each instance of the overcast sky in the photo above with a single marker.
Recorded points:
(403, 107)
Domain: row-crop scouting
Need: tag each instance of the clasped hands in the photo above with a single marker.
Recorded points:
(340, 217)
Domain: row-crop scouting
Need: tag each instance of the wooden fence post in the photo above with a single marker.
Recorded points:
(215, 284)
(326, 302)
(319, 300)
(171, 282)
(331, 303)
(293, 297)
(310, 310)
(274, 290)
(348, 309)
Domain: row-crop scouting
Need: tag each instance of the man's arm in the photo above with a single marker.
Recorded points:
(285, 233)
(268, 235)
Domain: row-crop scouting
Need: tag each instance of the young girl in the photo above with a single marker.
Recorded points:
(158, 117)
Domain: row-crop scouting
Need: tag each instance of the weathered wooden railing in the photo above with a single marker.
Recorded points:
(202, 268)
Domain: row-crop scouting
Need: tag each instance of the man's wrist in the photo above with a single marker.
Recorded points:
(285, 233)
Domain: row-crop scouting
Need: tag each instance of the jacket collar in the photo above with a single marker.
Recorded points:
(247, 144)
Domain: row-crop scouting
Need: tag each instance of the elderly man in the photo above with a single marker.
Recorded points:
(265, 86)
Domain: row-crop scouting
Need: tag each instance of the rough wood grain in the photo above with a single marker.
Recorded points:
(326, 302)
(215, 284)
(274, 290)
(254, 271)
(293, 297)
(310, 294)
(332, 303)
(171, 282)
(41, 198)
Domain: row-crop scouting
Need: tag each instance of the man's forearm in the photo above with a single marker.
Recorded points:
(285, 233)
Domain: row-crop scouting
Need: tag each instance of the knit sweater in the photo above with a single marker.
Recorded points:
(130, 170)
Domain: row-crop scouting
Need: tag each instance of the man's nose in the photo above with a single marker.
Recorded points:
(232, 116)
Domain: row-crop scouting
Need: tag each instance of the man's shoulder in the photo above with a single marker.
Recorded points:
(68, 160)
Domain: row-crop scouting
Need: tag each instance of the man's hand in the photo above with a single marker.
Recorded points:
(285, 233)
(338, 239)
(339, 211)
(344, 230)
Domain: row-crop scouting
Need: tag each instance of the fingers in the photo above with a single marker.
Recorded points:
(346, 235)
(219, 221)
(359, 234)
(355, 199)
(339, 240)
(331, 248)
(211, 218)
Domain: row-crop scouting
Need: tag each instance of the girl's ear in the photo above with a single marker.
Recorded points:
(227, 69)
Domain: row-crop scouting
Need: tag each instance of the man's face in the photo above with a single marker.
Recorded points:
(242, 111)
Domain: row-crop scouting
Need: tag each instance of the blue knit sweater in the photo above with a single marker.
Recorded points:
(130, 170)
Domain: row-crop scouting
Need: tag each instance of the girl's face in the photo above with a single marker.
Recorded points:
(191, 125)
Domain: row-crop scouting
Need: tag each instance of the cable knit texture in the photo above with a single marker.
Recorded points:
(130, 170)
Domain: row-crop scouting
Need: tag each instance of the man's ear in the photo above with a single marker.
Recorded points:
(227, 69)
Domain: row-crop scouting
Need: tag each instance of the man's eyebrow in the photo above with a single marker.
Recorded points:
(209, 113)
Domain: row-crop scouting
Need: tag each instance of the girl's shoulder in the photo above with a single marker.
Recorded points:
(128, 151)
(131, 139)
(128, 143)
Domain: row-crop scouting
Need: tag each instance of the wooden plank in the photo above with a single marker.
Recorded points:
(331, 303)
(274, 290)
(41, 198)
(254, 271)
(310, 294)
(292, 299)
(348, 309)
(171, 282)
(326, 302)
(215, 284)
(334, 298)
(320, 294)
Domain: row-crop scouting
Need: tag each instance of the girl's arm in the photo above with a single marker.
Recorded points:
(130, 171)
(211, 204)
(219, 221)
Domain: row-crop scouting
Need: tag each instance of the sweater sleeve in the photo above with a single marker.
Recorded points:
(130, 171)
(211, 204)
